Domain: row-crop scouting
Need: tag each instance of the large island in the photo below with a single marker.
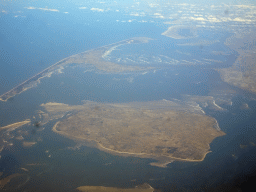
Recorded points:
(162, 130)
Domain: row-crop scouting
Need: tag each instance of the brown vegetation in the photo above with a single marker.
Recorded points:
(138, 130)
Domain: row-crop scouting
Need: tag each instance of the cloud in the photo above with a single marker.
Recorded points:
(97, 9)
(197, 18)
(160, 16)
(44, 9)
(66, 12)
(213, 19)
(30, 7)
(141, 14)
(183, 4)
(239, 19)
(200, 43)
(153, 5)
(82, 7)
(135, 14)
(244, 6)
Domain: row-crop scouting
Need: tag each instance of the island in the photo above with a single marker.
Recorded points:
(142, 188)
(161, 130)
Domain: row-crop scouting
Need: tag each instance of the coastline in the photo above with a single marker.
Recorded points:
(159, 163)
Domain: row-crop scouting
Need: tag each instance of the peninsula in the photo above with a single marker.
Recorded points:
(93, 58)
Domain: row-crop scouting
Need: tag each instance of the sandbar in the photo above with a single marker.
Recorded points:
(16, 125)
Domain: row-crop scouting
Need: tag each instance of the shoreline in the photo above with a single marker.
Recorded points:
(140, 155)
